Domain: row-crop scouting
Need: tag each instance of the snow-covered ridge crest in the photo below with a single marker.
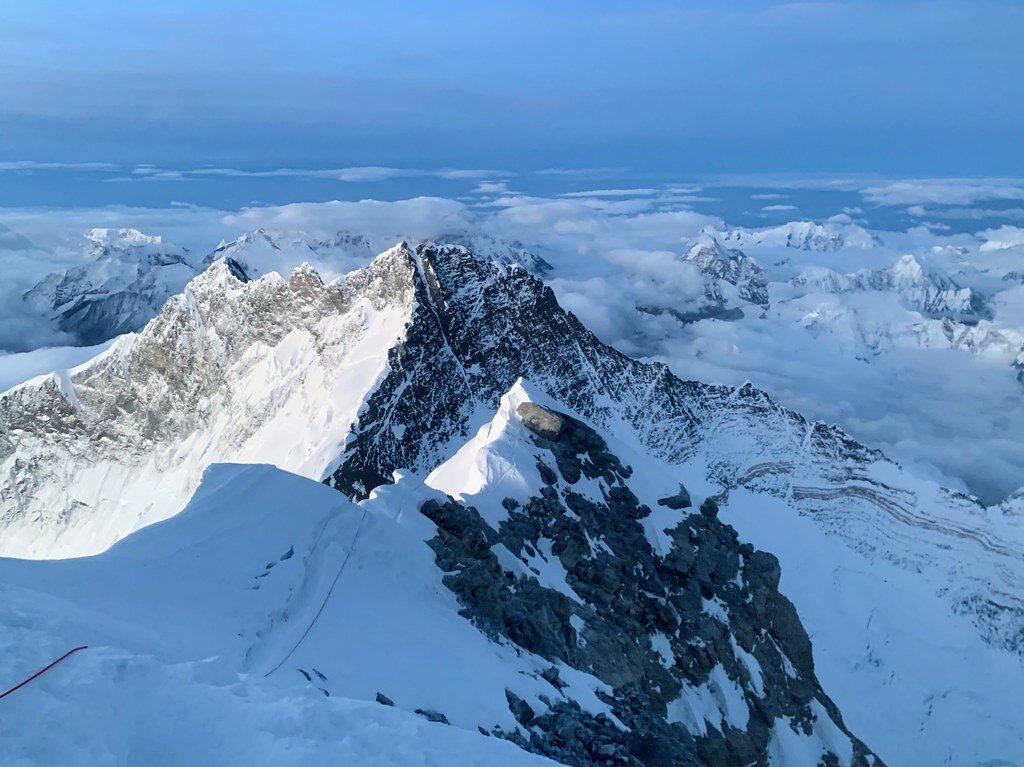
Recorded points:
(925, 289)
(124, 236)
(569, 506)
(909, 636)
(802, 235)
(269, 370)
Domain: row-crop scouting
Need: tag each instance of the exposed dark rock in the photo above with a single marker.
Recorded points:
(540, 421)
(433, 716)
(384, 700)
(680, 500)
(711, 599)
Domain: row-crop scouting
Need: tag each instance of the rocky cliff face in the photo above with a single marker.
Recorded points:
(706, 662)
(477, 327)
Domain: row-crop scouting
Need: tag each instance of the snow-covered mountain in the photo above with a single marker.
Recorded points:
(802, 235)
(264, 251)
(394, 367)
(556, 612)
(127, 276)
(928, 291)
(721, 264)
(398, 366)
(267, 370)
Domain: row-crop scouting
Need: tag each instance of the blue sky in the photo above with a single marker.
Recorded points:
(896, 88)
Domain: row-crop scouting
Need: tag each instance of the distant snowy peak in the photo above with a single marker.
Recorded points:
(927, 290)
(127, 276)
(722, 264)
(263, 251)
(498, 251)
(1003, 238)
(802, 235)
(121, 237)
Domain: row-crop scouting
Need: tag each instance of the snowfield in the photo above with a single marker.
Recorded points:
(185, 619)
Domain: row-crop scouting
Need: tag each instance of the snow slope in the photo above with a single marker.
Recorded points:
(913, 679)
(184, 619)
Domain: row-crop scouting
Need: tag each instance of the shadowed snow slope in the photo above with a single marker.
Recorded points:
(184, 619)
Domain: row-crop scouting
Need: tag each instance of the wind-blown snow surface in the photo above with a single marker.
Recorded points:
(184, 620)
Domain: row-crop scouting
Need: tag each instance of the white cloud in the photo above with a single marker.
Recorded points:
(1002, 238)
(611, 193)
(356, 174)
(414, 219)
(968, 214)
(492, 187)
(22, 165)
(778, 208)
(944, 191)
(580, 172)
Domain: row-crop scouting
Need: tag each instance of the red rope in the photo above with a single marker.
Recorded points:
(42, 671)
